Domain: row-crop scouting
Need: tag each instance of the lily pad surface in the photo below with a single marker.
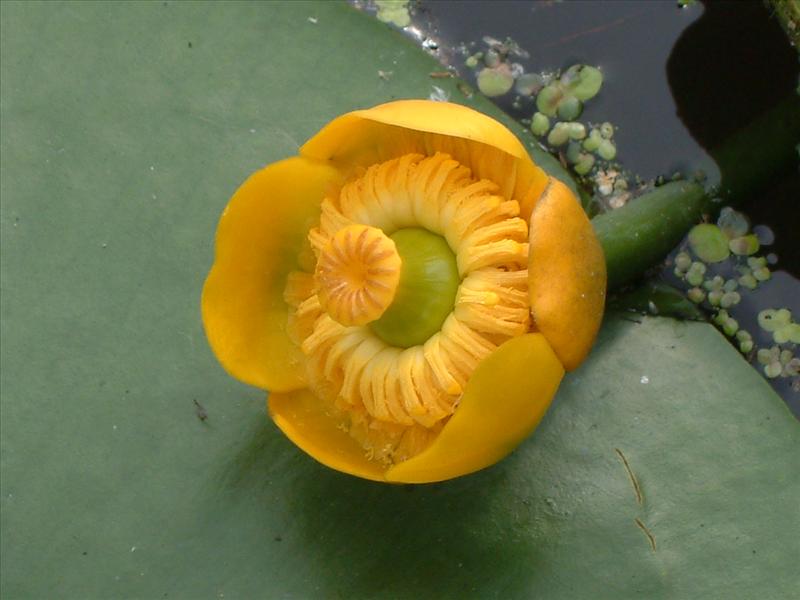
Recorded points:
(134, 467)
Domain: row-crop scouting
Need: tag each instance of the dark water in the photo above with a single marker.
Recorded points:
(678, 81)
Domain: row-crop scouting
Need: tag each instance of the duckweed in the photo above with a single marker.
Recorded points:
(683, 261)
(529, 84)
(574, 153)
(548, 99)
(585, 164)
(730, 326)
(496, 81)
(695, 274)
(583, 81)
(607, 150)
(394, 12)
(746, 245)
(709, 243)
(732, 223)
(607, 130)
(570, 108)
(696, 295)
(540, 124)
(729, 299)
(559, 135)
(748, 281)
(577, 131)
(592, 143)
(730, 286)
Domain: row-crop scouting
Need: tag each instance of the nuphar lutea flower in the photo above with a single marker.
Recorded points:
(410, 289)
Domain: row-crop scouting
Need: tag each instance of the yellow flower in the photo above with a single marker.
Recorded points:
(410, 289)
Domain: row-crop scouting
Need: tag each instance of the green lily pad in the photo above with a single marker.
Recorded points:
(657, 298)
(134, 467)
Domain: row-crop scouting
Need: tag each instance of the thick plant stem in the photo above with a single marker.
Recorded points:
(642, 233)
(637, 236)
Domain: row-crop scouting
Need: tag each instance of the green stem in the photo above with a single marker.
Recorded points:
(642, 233)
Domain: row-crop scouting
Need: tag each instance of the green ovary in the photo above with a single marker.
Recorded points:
(426, 294)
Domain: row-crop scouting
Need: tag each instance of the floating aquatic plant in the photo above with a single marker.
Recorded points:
(495, 81)
(709, 243)
(410, 288)
(394, 12)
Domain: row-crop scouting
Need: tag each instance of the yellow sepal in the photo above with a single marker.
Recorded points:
(566, 274)
(365, 137)
(259, 237)
(304, 419)
(505, 399)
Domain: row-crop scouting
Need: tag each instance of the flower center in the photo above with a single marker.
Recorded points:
(403, 285)
(421, 273)
(427, 291)
(357, 274)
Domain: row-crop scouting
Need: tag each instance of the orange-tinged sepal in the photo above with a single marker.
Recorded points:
(566, 274)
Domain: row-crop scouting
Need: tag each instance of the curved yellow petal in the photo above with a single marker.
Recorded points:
(351, 133)
(505, 399)
(259, 236)
(364, 137)
(566, 274)
(304, 419)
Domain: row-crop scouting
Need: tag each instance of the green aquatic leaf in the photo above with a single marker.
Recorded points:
(548, 99)
(709, 243)
(733, 223)
(570, 108)
(747, 245)
(495, 81)
(134, 467)
(583, 81)
(540, 124)
(658, 298)
(394, 12)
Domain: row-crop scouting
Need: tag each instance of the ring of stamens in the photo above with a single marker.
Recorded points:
(392, 400)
